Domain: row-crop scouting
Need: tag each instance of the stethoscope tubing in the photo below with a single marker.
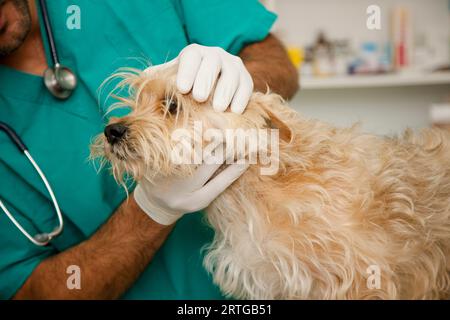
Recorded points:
(46, 236)
(49, 32)
(13, 136)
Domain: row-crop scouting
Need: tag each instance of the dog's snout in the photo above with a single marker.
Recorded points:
(115, 132)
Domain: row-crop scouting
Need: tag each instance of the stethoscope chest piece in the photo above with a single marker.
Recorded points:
(60, 81)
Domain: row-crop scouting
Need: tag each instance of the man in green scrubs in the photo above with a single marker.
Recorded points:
(119, 250)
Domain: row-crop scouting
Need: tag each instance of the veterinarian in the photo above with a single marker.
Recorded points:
(142, 248)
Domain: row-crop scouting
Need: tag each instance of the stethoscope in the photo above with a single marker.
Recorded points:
(40, 239)
(59, 80)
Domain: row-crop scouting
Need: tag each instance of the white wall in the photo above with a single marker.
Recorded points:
(381, 110)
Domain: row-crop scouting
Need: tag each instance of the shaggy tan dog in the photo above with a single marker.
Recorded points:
(343, 209)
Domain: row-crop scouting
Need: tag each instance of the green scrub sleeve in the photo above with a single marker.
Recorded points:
(229, 24)
(18, 257)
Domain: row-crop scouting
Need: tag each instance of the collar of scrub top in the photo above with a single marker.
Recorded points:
(40, 239)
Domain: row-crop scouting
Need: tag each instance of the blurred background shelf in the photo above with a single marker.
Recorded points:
(375, 81)
(384, 103)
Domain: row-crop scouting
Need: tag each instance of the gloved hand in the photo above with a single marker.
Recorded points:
(200, 67)
(168, 200)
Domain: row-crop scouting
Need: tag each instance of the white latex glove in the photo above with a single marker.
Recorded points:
(169, 199)
(200, 67)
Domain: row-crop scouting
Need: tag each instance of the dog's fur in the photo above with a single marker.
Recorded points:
(341, 203)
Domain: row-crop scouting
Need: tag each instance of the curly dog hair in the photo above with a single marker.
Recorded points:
(342, 203)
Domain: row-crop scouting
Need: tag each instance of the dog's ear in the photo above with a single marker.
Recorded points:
(275, 113)
(275, 122)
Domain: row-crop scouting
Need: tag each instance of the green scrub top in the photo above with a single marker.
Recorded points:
(58, 133)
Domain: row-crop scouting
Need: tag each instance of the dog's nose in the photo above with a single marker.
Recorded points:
(115, 132)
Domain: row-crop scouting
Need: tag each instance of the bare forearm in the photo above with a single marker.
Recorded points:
(110, 261)
(268, 63)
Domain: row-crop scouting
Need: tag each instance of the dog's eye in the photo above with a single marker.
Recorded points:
(172, 106)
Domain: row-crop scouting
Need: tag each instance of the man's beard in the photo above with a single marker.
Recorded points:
(16, 37)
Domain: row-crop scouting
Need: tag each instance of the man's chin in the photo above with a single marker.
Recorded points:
(11, 41)
(15, 24)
